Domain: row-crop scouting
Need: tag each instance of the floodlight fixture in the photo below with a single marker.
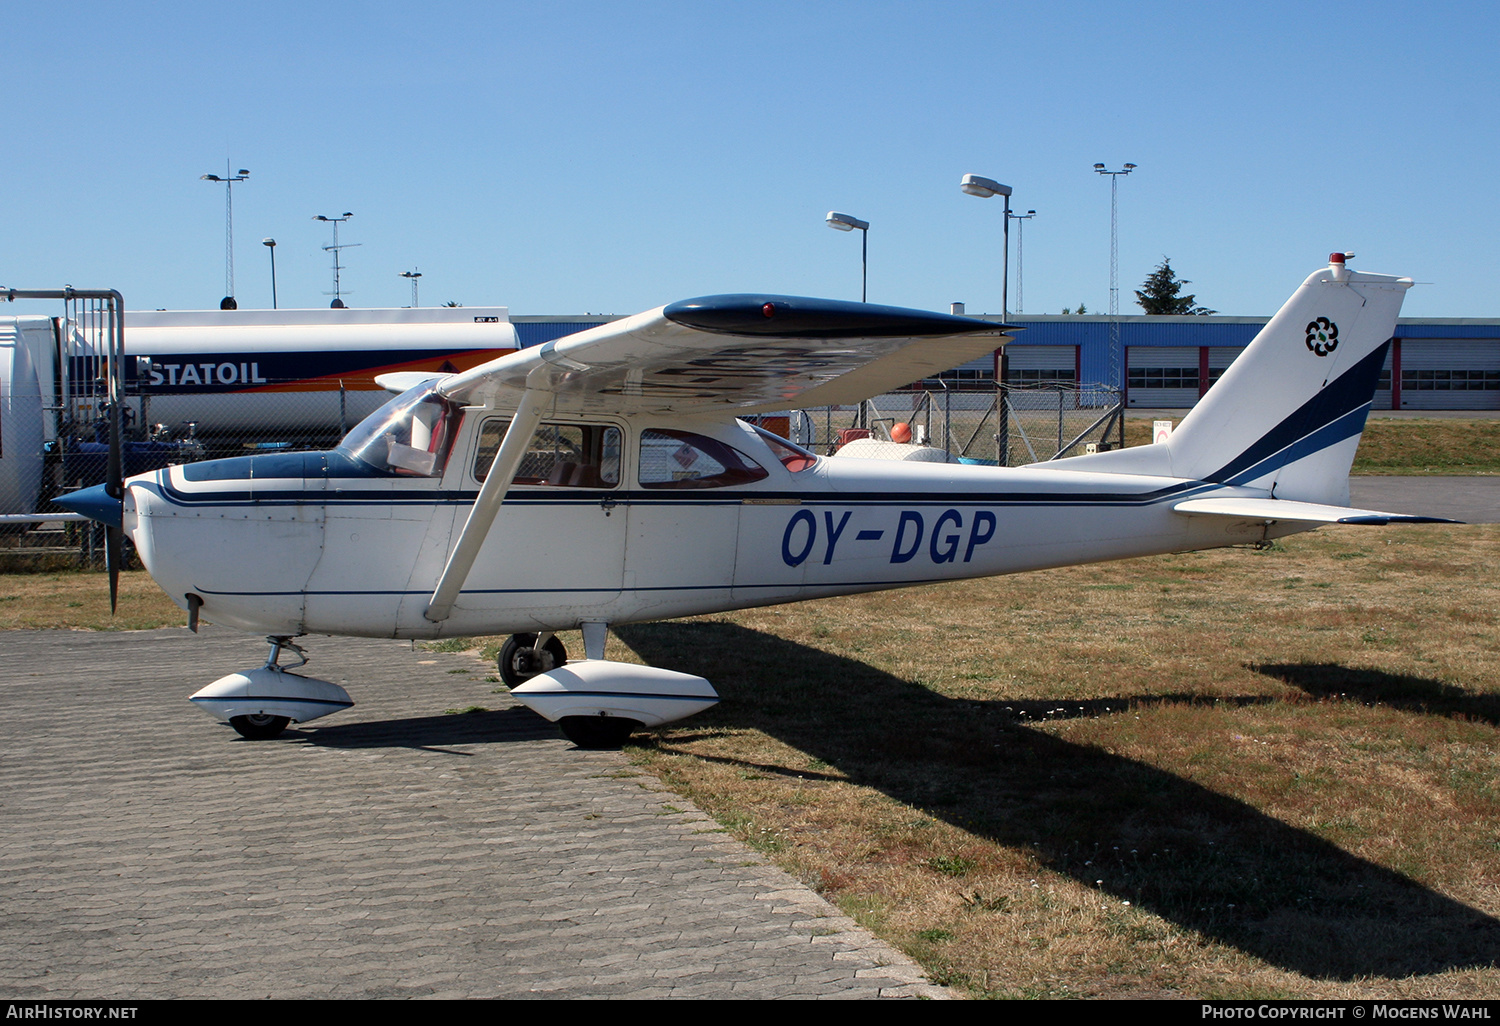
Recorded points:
(1115, 363)
(847, 223)
(228, 180)
(271, 245)
(984, 188)
(412, 275)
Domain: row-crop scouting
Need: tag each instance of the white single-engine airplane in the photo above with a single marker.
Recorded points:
(604, 478)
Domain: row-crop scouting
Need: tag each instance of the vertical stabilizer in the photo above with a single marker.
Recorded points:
(1287, 414)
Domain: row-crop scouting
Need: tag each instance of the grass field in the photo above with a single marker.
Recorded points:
(1228, 774)
(1402, 445)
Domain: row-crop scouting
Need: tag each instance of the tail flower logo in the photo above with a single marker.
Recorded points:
(1322, 336)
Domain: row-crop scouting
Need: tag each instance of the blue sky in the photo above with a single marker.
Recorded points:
(608, 157)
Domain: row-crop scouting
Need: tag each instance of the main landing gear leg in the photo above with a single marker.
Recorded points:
(599, 703)
(262, 727)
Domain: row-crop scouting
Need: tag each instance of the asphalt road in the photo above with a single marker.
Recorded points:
(1474, 500)
(390, 851)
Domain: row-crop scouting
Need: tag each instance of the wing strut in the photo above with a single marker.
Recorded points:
(491, 494)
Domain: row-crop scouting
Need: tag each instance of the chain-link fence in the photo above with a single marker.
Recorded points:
(1008, 426)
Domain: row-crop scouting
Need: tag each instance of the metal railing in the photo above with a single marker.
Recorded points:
(1007, 426)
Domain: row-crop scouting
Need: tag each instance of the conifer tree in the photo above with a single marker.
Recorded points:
(1160, 293)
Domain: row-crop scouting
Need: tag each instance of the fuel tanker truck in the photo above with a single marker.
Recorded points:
(209, 383)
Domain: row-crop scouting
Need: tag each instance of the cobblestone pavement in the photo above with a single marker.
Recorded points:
(392, 850)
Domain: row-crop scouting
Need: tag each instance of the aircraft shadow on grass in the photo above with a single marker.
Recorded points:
(1375, 687)
(1200, 859)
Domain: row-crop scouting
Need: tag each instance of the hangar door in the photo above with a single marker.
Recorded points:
(1162, 376)
(1042, 365)
(1219, 359)
(1449, 374)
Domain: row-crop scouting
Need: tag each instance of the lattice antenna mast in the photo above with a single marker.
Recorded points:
(1115, 378)
(228, 179)
(1020, 254)
(413, 275)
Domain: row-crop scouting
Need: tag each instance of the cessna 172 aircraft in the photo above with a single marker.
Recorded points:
(604, 478)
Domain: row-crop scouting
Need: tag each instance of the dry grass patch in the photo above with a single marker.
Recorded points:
(1400, 445)
(1230, 774)
(80, 600)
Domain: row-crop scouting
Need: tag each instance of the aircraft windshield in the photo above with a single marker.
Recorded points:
(409, 436)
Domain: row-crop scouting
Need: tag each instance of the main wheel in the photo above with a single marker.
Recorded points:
(259, 728)
(520, 661)
(597, 731)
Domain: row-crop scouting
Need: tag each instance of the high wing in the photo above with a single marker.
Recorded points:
(729, 354)
(736, 354)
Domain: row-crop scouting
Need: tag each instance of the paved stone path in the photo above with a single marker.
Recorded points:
(389, 851)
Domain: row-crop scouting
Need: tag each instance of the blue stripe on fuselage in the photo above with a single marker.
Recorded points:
(1344, 401)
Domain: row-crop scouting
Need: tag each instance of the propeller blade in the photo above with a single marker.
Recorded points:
(114, 487)
(113, 557)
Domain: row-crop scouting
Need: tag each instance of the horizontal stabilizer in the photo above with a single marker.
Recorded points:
(1288, 511)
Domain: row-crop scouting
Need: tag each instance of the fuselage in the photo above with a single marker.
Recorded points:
(620, 520)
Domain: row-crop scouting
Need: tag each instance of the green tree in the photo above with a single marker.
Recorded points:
(1161, 293)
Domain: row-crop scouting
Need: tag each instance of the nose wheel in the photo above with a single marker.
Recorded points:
(522, 657)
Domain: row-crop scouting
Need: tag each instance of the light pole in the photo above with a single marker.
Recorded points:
(338, 300)
(847, 223)
(271, 245)
(413, 274)
(1020, 256)
(1114, 268)
(984, 188)
(228, 303)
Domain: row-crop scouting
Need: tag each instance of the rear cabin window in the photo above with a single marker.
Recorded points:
(682, 459)
(560, 455)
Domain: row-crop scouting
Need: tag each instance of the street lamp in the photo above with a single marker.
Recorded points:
(228, 303)
(1020, 256)
(847, 223)
(338, 301)
(1114, 268)
(984, 188)
(413, 275)
(271, 245)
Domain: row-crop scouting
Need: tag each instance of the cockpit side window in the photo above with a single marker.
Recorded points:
(683, 459)
(560, 455)
(792, 456)
(410, 436)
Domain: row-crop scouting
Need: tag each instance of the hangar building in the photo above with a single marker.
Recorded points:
(1436, 363)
